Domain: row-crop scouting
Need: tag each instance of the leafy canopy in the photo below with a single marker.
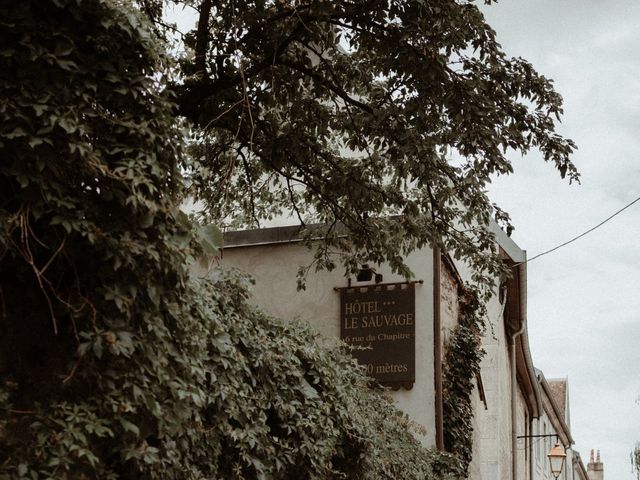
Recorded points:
(351, 113)
(113, 362)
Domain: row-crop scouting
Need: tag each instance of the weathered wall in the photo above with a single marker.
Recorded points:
(547, 425)
(522, 428)
(274, 268)
(541, 447)
(449, 306)
(492, 424)
(492, 432)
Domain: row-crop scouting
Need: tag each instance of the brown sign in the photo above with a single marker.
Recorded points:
(380, 321)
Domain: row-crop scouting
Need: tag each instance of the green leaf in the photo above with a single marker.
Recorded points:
(129, 427)
(210, 238)
(147, 220)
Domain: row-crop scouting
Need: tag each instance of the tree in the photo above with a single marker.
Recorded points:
(348, 114)
(113, 362)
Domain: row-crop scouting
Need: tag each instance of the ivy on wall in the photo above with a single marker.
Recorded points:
(461, 364)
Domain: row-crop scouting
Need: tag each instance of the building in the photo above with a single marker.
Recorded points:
(552, 427)
(509, 399)
(508, 380)
(579, 470)
(595, 468)
(273, 256)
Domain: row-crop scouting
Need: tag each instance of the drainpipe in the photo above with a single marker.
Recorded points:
(522, 285)
(530, 447)
(437, 348)
(514, 419)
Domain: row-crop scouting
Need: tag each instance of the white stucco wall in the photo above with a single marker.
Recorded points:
(522, 428)
(492, 425)
(492, 430)
(449, 306)
(541, 447)
(274, 268)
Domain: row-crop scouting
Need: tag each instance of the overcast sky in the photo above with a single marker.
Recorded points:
(584, 299)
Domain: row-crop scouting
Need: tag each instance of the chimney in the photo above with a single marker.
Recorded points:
(595, 469)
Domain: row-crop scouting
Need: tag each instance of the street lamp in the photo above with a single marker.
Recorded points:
(556, 455)
(556, 459)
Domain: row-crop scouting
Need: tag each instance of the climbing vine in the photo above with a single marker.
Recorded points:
(461, 365)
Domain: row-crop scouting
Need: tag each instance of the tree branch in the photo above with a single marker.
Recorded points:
(191, 95)
(202, 39)
(323, 81)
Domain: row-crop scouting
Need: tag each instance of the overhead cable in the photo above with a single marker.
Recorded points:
(583, 233)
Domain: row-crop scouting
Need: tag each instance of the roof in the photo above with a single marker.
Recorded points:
(294, 233)
(558, 391)
(510, 247)
(515, 318)
(556, 405)
(264, 236)
(579, 468)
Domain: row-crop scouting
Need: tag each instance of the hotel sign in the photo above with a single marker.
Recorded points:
(379, 320)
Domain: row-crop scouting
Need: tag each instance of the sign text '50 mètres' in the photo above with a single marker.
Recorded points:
(380, 321)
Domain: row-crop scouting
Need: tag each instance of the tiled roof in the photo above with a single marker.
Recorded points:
(559, 393)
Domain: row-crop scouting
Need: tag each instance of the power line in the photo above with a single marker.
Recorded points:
(583, 233)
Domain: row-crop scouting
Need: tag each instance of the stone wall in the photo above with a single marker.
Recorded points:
(492, 442)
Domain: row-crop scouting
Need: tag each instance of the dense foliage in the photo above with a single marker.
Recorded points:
(461, 365)
(635, 460)
(113, 363)
(345, 113)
